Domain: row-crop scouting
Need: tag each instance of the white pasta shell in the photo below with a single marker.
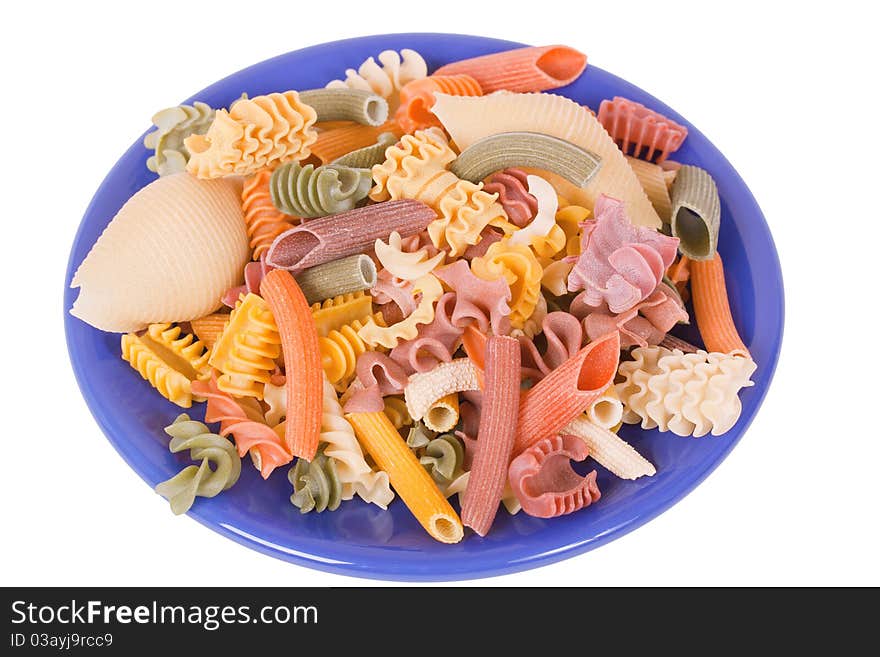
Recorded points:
(167, 256)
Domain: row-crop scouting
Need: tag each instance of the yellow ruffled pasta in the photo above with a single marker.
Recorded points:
(569, 218)
(247, 349)
(169, 361)
(517, 265)
(415, 168)
(256, 133)
(332, 314)
(407, 329)
(395, 409)
(469, 119)
(340, 349)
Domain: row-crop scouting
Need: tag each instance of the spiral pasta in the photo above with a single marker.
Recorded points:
(310, 192)
(687, 394)
(168, 361)
(173, 125)
(316, 485)
(415, 168)
(395, 72)
(516, 264)
(247, 349)
(340, 349)
(263, 220)
(218, 471)
(258, 132)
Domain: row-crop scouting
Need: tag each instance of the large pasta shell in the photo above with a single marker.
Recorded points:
(167, 256)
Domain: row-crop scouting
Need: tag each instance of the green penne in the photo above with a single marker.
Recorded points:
(526, 149)
(343, 276)
(696, 213)
(347, 105)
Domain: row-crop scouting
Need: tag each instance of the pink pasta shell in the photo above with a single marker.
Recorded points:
(545, 483)
(639, 131)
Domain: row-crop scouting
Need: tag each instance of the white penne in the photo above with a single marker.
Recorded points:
(611, 451)
(607, 411)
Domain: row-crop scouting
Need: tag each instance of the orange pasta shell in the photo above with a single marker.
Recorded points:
(712, 307)
(302, 361)
(417, 98)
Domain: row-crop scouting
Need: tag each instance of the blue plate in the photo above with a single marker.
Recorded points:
(361, 539)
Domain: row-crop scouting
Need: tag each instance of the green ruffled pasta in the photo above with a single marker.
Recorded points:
(368, 156)
(443, 458)
(338, 277)
(316, 485)
(310, 192)
(696, 212)
(202, 480)
(526, 149)
(347, 105)
(173, 125)
(419, 436)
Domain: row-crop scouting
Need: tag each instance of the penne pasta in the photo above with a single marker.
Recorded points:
(712, 308)
(337, 277)
(357, 105)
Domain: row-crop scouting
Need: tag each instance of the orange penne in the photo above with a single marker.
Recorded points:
(712, 308)
(522, 70)
(495, 435)
(263, 221)
(417, 98)
(302, 361)
(567, 391)
(337, 142)
(412, 482)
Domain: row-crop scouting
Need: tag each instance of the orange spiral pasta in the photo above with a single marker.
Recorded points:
(417, 98)
(712, 308)
(338, 140)
(263, 220)
(251, 434)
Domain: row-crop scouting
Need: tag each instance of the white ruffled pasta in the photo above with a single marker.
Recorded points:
(404, 265)
(396, 70)
(687, 394)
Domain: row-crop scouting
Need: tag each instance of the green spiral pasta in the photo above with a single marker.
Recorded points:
(443, 458)
(173, 125)
(316, 485)
(202, 480)
(310, 192)
(347, 105)
(368, 156)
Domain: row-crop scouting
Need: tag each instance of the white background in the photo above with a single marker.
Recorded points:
(783, 92)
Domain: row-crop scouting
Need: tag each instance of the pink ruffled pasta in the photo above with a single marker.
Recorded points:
(644, 324)
(435, 343)
(620, 264)
(254, 272)
(380, 376)
(545, 483)
(390, 289)
(564, 337)
(487, 238)
(484, 302)
(639, 131)
(512, 188)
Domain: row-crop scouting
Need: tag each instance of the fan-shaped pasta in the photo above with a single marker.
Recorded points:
(340, 349)
(687, 394)
(153, 264)
(258, 132)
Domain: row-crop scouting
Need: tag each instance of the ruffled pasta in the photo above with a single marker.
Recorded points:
(387, 77)
(687, 394)
(407, 329)
(255, 133)
(219, 469)
(340, 349)
(168, 361)
(640, 131)
(405, 265)
(263, 220)
(173, 125)
(518, 266)
(415, 168)
(332, 314)
(247, 350)
(469, 119)
(310, 192)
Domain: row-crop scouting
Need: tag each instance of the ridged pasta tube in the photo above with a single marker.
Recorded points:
(396, 71)
(168, 361)
(355, 105)
(255, 133)
(248, 348)
(696, 212)
(263, 220)
(310, 192)
(337, 277)
(415, 168)
(218, 471)
(610, 451)
(526, 149)
(443, 414)
(316, 485)
(425, 388)
(173, 125)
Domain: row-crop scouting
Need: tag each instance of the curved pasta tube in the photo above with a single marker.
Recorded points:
(337, 277)
(247, 349)
(696, 213)
(310, 192)
(173, 126)
(347, 105)
(517, 265)
(407, 329)
(443, 414)
(168, 361)
(368, 156)
(425, 388)
(218, 471)
(526, 149)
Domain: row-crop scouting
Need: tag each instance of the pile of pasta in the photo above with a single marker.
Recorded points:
(454, 284)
